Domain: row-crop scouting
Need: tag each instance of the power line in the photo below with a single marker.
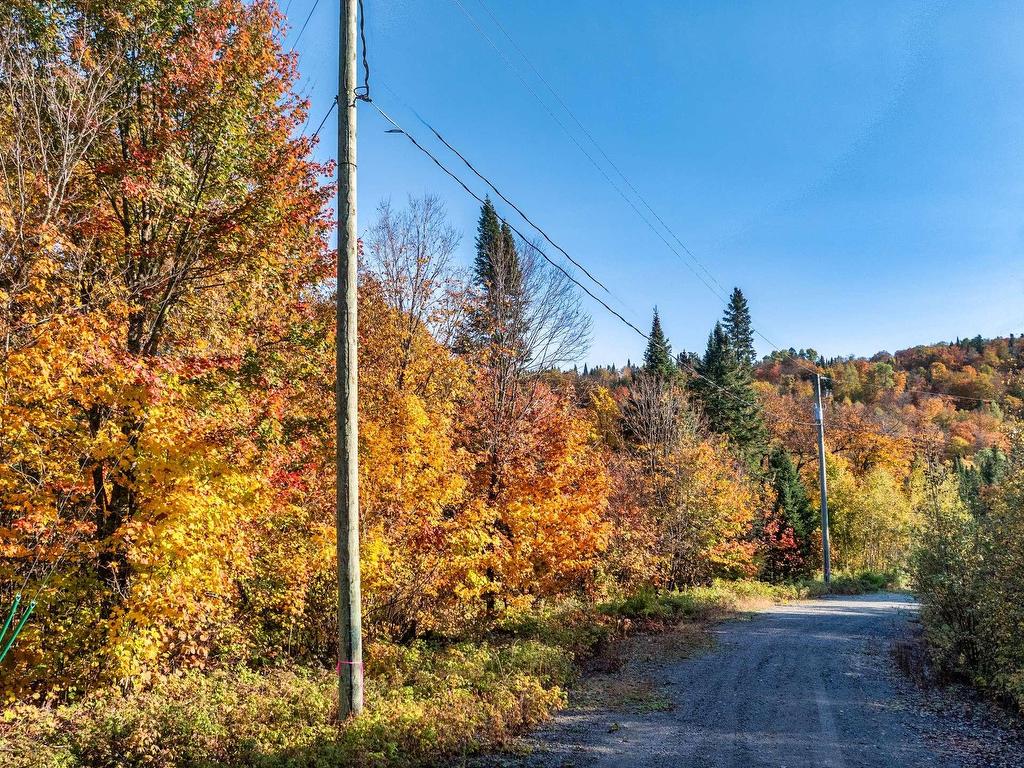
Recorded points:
(304, 24)
(581, 148)
(720, 291)
(399, 129)
(594, 141)
(920, 442)
(334, 103)
(499, 193)
(693, 371)
(954, 397)
(366, 61)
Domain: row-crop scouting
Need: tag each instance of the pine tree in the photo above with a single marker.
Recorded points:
(658, 356)
(727, 398)
(739, 328)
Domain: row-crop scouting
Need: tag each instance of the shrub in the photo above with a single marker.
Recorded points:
(422, 704)
(968, 578)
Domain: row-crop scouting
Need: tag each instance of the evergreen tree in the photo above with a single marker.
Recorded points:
(792, 498)
(788, 543)
(658, 356)
(498, 275)
(726, 395)
(488, 238)
(988, 469)
(739, 329)
(687, 360)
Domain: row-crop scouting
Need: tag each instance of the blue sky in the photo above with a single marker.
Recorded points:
(855, 167)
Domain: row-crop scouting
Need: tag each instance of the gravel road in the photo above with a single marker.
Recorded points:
(807, 684)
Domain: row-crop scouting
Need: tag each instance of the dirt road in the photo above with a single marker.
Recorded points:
(807, 684)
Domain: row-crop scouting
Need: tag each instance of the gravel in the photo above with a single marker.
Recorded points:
(811, 683)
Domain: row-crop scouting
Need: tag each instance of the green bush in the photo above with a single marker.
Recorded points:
(422, 705)
(968, 577)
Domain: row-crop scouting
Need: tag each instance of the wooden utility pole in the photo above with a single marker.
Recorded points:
(350, 635)
(819, 415)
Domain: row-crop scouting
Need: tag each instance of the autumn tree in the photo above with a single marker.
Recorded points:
(54, 104)
(872, 520)
(698, 505)
(199, 228)
(409, 253)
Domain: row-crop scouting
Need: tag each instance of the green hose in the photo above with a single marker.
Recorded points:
(17, 630)
(10, 618)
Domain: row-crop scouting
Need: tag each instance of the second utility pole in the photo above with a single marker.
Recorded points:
(350, 636)
(819, 415)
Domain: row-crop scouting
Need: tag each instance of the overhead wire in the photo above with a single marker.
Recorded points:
(365, 96)
(397, 128)
(304, 25)
(502, 196)
(721, 290)
(319, 128)
(594, 141)
(366, 61)
(690, 369)
(965, 398)
(581, 148)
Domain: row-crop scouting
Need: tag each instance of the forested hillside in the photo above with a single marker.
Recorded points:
(167, 518)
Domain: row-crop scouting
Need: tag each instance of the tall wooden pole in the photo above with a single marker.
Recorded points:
(350, 637)
(819, 415)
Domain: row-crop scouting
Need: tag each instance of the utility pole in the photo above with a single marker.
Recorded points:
(819, 415)
(350, 635)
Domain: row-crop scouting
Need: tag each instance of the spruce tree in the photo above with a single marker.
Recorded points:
(788, 539)
(658, 355)
(792, 498)
(726, 395)
(739, 328)
(498, 275)
(488, 238)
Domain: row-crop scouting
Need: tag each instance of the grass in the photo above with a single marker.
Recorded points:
(426, 703)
